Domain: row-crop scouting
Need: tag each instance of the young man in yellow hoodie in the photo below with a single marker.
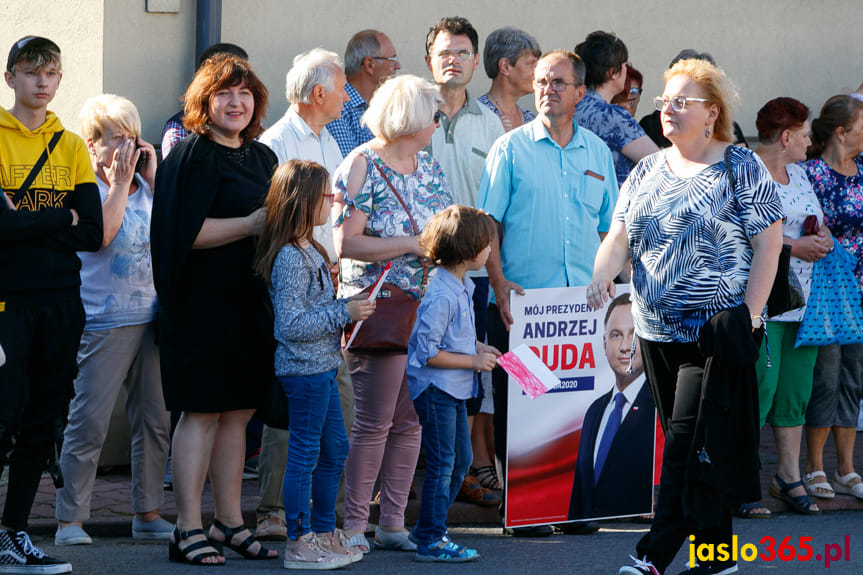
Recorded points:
(50, 208)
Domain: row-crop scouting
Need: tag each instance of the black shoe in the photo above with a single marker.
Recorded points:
(578, 528)
(714, 568)
(19, 555)
(533, 531)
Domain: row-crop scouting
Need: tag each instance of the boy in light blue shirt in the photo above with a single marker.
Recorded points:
(443, 354)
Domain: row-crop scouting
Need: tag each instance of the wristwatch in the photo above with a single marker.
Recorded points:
(757, 322)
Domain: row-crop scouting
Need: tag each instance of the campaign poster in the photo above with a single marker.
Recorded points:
(570, 457)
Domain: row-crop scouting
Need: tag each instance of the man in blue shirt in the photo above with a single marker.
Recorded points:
(551, 187)
(370, 58)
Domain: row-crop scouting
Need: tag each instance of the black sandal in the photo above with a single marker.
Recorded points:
(178, 555)
(487, 477)
(242, 548)
(799, 503)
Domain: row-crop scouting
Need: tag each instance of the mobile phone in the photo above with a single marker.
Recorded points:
(142, 161)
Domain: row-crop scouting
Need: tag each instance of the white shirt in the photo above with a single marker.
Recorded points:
(630, 393)
(291, 138)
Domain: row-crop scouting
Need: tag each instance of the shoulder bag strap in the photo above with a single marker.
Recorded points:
(37, 167)
(728, 169)
(408, 212)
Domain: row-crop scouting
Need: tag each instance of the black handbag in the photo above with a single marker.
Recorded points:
(274, 408)
(786, 293)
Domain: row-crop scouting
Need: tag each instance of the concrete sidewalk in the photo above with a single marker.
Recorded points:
(111, 513)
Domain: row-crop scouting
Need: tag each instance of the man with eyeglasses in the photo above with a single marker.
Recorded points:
(551, 186)
(370, 58)
(460, 144)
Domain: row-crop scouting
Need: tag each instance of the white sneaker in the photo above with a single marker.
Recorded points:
(306, 553)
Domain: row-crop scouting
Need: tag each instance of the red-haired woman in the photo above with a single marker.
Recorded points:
(785, 388)
(215, 319)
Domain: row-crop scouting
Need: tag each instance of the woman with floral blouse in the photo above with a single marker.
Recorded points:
(836, 173)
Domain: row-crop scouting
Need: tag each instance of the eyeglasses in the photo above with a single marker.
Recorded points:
(436, 117)
(462, 55)
(330, 197)
(393, 59)
(557, 85)
(678, 103)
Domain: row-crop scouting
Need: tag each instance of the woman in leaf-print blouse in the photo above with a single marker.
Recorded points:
(372, 228)
(704, 251)
(835, 170)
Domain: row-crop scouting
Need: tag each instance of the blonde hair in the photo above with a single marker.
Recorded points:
(109, 108)
(402, 106)
(717, 88)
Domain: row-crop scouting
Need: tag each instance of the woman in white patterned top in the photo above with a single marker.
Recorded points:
(704, 249)
(785, 388)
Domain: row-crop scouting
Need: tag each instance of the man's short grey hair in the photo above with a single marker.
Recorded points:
(509, 43)
(364, 44)
(312, 68)
(402, 106)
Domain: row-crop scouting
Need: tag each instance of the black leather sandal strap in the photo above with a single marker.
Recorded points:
(189, 533)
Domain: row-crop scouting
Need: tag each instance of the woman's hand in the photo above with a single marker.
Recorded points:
(811, 248)
(122, 168)
(360, 307)
(255, 221)
(599, 292)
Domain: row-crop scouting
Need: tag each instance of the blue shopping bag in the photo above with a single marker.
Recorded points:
(833, 312)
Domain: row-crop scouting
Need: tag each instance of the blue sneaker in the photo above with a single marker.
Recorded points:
(445, 551)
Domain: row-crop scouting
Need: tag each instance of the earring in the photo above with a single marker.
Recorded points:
(707, 132)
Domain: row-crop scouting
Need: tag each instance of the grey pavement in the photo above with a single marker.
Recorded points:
(601, 553)
(115, 552)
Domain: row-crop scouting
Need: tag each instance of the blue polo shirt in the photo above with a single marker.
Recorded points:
(552, 203)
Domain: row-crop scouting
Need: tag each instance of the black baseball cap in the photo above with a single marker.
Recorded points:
(28, 44)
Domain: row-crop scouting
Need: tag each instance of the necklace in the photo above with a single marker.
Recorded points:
(398, 168)
(237, 155)
(509, 122)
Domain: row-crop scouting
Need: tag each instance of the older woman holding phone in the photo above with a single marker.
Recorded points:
(701, 223)
(215, 317)
(373, 228)
(118, 346)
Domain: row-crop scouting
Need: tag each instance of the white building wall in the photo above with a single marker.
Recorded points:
(799, 48)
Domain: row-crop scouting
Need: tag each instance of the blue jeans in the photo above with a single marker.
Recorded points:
(446, 438)
(316, 452)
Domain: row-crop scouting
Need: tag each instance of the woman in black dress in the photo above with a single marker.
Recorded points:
(215, 324)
